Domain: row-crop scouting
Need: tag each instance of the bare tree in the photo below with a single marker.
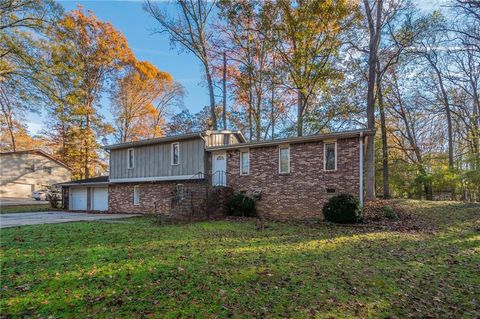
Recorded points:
(189, 27)
(373, 12)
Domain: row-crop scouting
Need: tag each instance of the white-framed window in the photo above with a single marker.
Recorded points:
(136, 195)
(284, 159)
(244, 162)
(330, 156)
(131, 158)
(175, 153)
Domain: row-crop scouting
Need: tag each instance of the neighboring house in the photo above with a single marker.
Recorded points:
(291, 177)
(23, 172)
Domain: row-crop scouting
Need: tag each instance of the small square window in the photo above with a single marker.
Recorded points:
(47, 170)
(175, 153)
(284, 160)
(244, 162)
(330, 156)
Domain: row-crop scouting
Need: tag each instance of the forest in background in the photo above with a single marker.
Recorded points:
(271, 69)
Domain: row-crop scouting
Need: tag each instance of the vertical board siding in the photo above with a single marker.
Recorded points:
(155, 160)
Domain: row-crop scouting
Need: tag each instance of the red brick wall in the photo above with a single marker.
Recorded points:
(157, 198)
(302, 193)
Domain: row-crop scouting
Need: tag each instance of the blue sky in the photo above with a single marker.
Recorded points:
(129, 18)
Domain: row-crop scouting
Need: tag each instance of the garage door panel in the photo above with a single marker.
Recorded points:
(100, 198)
(78, 199)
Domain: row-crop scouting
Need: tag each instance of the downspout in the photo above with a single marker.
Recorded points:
(361, 170)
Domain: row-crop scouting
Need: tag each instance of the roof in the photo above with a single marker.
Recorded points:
(39, 152)
(87, 181)
(298, 139)
(172, 138)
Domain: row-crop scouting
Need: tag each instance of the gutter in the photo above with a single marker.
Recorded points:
(294, 140)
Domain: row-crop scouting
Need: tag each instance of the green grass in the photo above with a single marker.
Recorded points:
(25, 208)
(135, 269)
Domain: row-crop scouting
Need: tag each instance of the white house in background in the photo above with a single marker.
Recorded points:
(23, 172)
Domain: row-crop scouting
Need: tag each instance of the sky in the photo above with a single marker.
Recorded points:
(137, 26)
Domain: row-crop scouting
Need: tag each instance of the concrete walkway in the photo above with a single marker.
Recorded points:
(54, 217)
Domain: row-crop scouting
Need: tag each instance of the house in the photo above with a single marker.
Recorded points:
(23, 172)
(291, 177)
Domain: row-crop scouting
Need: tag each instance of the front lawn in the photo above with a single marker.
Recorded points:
(133, 268)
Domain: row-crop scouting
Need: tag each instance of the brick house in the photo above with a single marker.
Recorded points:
(292, 177)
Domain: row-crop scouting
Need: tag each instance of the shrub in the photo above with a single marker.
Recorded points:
(241, 205)
(54, 196)
(389, 213)
(343, 208)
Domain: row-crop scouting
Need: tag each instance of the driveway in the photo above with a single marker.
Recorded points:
(10, 201)
(35, 218)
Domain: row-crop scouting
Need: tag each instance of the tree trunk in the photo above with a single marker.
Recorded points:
(224, 111)
(211, 92)
(300, 108)
(374, 33)
(383, 128)
(272, 113)
(87, 146)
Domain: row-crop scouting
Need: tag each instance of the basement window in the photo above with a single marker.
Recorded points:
(136, 195)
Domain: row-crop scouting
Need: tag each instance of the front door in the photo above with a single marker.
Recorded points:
(219, 169)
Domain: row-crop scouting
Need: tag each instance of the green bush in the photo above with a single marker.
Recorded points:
(343, 208)
(241, 205)
(389, 213)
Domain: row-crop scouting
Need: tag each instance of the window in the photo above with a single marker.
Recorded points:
(30, 168)
(47, 170)
(244, 162)
(180, 194)
(131, 158)
(284, 159)
(136, 195)
(330, 156)
(175, 153)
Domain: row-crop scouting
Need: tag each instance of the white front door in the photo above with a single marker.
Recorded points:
(219, 169)
(78, 199)
(100, 198)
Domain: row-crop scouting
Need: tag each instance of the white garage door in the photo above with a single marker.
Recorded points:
(100, 198)
(78, 199)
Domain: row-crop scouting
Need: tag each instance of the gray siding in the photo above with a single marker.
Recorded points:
(155, 160)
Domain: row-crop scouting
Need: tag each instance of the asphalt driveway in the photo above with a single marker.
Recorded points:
(54, 217)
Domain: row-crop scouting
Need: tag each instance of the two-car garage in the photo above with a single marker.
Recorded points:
(89, 198)
(86, 195)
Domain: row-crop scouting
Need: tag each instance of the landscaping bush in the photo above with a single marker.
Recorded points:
(343, 208)
(389, 213)
(54, 196)
(241, 205)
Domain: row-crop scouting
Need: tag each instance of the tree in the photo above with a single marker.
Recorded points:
(95, 52)
(140, 100)
(307, 37)
(22, 25)
(189, 28)
(374, 17)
